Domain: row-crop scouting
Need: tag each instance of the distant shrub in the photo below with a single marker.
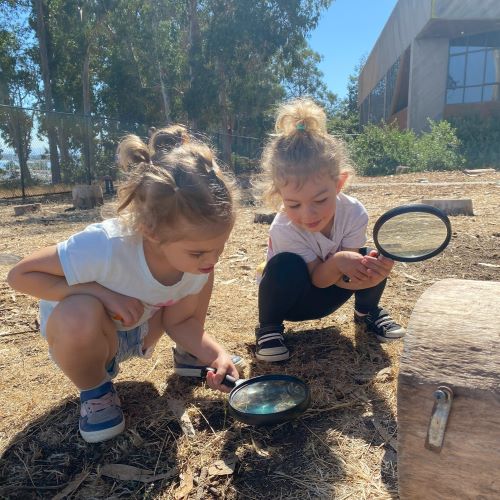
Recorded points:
(480, 140)
(438, 149)
(379, 149)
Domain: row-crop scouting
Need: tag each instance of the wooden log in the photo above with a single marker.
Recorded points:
(28, 207)
(87, 196)
(479, 171)
(453, 340)
(452, 206)
(401, 169)
(264, 217)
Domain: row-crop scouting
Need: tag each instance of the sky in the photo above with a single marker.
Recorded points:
(347, 31)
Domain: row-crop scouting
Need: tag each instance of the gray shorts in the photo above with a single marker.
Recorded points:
(130, 342)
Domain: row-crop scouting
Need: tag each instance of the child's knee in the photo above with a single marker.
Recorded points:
(286, 270)
(76, 320)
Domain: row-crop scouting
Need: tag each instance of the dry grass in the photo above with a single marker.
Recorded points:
(341, 448)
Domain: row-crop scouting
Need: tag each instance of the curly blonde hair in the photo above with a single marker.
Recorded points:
(168, 193)
(300, 148)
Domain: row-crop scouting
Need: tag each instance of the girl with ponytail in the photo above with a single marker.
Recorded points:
(110, 291)
(315, 259)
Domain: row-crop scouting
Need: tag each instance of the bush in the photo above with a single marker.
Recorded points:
(437, 149)
(378, 150)
(480, 140)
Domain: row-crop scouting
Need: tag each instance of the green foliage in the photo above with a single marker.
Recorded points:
(437, 149)
(378, 150)
(480, 140)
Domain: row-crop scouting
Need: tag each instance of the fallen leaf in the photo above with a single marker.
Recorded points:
(72, 486)
(130, 473)
(186, 485)
(179, 410)
(223, 467)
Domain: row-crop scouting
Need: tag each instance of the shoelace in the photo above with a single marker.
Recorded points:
(95, 405)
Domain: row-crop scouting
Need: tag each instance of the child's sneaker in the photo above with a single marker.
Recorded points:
(101, 415)
(381, 324)
(270, 346)
(187, 365)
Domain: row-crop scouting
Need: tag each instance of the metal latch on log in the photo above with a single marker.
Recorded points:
(443, 397)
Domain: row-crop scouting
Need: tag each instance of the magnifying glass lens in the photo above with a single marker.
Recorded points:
(268, 396)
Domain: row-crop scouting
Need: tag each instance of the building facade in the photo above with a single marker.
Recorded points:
(434, 59)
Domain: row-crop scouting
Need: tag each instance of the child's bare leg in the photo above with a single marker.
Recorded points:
(83, 340)
(155, 331)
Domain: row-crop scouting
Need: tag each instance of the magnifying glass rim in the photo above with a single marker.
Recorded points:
(403, 209)
(270, 418)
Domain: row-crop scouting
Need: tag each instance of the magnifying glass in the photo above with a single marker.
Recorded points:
(267, 399)
(412, 233)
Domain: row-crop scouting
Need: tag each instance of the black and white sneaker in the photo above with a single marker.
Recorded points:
(381, 324)
(270, 346)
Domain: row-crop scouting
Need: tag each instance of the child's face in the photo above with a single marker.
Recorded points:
(196, 254)
(311, 206)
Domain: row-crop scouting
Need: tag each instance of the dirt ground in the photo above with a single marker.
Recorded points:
(344, 446)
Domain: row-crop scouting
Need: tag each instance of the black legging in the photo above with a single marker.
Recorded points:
(287, 293)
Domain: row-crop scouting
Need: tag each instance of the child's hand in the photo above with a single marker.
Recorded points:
(128, 310)
(378, 266)
(351, 264)
(223, 365)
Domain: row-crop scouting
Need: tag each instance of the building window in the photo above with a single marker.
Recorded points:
(474, 69)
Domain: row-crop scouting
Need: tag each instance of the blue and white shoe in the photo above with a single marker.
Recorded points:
(101, 416)
(186, 365)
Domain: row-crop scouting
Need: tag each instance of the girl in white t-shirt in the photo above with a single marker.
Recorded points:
(109, 292)
(315, 258)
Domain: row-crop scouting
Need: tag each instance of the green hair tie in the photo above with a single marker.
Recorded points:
(300, 126)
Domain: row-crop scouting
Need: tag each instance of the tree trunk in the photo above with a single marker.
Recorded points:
(64, 149)
(194, 48)
(41, 30)
(87, 146)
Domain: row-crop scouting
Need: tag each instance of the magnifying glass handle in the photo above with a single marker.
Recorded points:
(227, 380)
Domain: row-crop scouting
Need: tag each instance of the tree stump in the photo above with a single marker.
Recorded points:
(87, 196)
(453, 340)
(452, 207)
(264, 217)
(28, 207)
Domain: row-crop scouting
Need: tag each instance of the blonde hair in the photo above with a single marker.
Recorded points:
(168, 138)
(301, 147)
(166, 193)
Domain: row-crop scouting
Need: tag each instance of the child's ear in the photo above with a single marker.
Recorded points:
(148, 235)
(341, 180)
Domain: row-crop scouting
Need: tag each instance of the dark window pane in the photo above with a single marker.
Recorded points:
(493, 39)
(454, 96)
(377, 102)
(473, 94)
(477, 42)
(456, 71)
(492, 66)
(458, 45)
(491, 93)
(475, 68)
(391, 79)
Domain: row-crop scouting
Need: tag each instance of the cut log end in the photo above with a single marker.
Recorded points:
(29, 207)
(87, 196)
(263, 217)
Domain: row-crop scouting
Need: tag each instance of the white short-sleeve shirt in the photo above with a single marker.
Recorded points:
(348, 231)
(113, 256)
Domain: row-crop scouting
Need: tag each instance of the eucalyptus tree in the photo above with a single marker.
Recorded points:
(240, 41)
(17, 86)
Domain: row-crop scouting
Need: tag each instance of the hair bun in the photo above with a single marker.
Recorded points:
(301, 115)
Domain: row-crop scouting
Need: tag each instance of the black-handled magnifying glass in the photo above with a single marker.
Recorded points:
(412, 233)
(267, 399)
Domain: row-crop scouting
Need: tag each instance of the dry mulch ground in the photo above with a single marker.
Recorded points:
(344, 446)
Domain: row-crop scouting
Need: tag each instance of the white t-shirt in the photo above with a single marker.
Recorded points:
(113, 256)
(348, 231)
